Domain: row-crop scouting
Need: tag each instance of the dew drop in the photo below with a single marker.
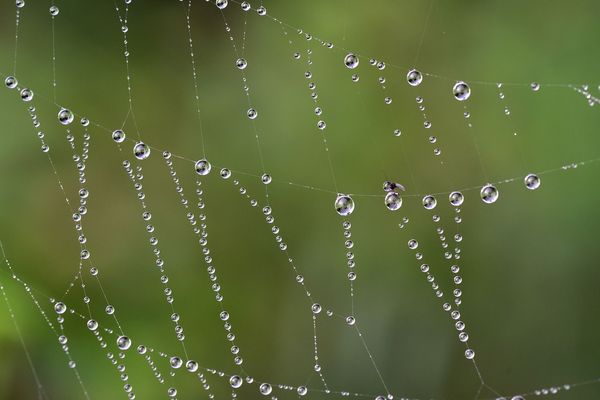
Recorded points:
(532, 182)
(429, 202)
(456, 198)
(461, 91)
(141, 151)
(344, 205)
(413, 244)
(414, 77)
(535, 86)
(10, 82)
(118, 136)
(225, 173)
(470, 354)
(60, 307)
(489, 194)
(202, 167)
(26, 95)
(54, 11)
(65, 116)
(351, 61)
(252, 113)
(123, 343)
(235, 381)
(241, 63)
(302, 390)
(266, 179)
(265, 389)
(221, 4)
(393, 201)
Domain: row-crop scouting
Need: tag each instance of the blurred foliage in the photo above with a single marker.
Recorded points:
(529, 261)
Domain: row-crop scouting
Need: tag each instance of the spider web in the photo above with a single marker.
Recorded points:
(313, 309)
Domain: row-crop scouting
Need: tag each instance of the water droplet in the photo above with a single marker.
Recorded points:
(60, 307)
(246, 6)
(225, 173)
(11, 82)
(265, 389)
(413, 244)
(461, 91)
(54, 11)
(344, 205)
(351, 61)
(316, 308)
(175, 362)
(414, 77)
(456, 198)
(92, 325)
(118, 136)
(350, 320)
(535, 86)
(266, 179)
(252, 113)
(123, 343)
(26, 94)
(470, 354)
(302, 390)
(393, 201)
(532, 182)
(141, 151)
(202, 167)
(65, 116)
(221, 4)
(241, 63)
(429, 202)
(235, 381)
(172, 392)
(262, 11)
(20, 3)
(489, 194)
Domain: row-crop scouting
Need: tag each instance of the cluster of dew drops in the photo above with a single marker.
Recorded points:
(461, 91)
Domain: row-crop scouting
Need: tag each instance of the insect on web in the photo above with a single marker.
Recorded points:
(101, 318)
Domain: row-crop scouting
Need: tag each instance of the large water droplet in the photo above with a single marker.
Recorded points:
(65, 116)
(429, 202)
(414, 77)
(532, 182)
(141, 151)
(202, 167)
(489, 194)
(344, 205)
(221, 4)
(123, 343)
(235, 381)
(461, 91)
(351, 61)
(456, 198)
(393, 201)
(265, 389)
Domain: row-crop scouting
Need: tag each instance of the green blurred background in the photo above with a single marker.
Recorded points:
(529, 261)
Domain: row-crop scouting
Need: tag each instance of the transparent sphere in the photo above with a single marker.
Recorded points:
(535, 86)
(350, 320)
(252, 113)
(261, 11)
(245, 6)
(175, 362)
(221, 4)
(235, 381)
(202, 167)
(456, 198)
(65, 116)
(26, 94)
(413, 244)
(489, 194)
(461, 91)
(517, 398)
(344, 205)
(532, 181)
(11, 82)
(266, 179)
(92, 325)
(316, 308)
(351, 61)
(393, 201)
(172, 392)
(241, 63)
(60, 307)
(302, 390)
(429, 202)
(265, 389)
(414, 77)
(123, 343)
(141, 151)
(20, 3)
(470, 354)
(225, 173)
(54, 11)
(191, 366)
(118, 136)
